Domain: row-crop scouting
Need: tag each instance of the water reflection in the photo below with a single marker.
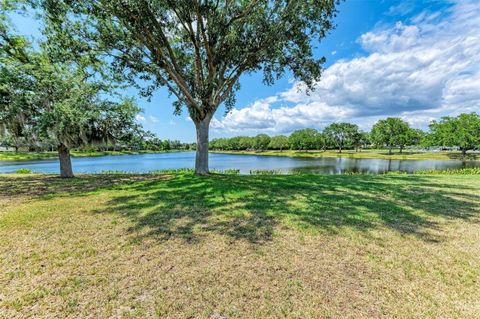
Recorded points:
(150, 162)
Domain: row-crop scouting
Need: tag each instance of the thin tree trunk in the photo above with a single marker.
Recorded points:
(464, 152)
(390, 150)
(401, 149)
(201, 157)
(65, 161)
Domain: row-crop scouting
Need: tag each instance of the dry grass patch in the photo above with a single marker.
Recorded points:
(182, 246)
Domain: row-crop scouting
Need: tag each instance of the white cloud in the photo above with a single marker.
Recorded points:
(419, 71)
(153, 119)
(260, 116)
(140, 118)
(402, 8)
(399, 38)
(149, 119)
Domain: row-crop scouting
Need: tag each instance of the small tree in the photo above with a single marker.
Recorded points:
(244, 143)
(341, 134)
(360, 139)
(411, 137)
(391, 132)
(279, 142)
(219, 144)
(462, 131)
(262, 141)
(197, 49)
(305, 139)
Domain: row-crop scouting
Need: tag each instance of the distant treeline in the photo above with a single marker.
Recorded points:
(461, 132)
(135, 140)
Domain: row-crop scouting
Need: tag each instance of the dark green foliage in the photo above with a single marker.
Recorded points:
(262, 141)
(462, 131)
(360, 140)
(341, 135)
(45, 99)
(279, 142)
(306, 139)
(394, 132)
(198, 49)
(458, 171)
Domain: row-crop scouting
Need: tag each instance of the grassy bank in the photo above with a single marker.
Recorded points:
(181, 246)
(407, 155)
(17, 156)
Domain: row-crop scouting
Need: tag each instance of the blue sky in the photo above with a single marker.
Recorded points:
(419, 60)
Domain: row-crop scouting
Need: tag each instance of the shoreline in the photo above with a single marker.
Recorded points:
(369, 154)
(10, 156)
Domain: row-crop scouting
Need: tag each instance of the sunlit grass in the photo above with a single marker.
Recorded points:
(178, 246)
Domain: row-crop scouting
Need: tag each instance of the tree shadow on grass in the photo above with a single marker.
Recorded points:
(39, 185)
(250, 207)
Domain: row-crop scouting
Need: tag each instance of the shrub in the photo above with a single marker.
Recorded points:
(24, 171)
(265, 172)
(456, 171)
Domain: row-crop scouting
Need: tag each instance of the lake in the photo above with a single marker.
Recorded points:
(143, 163)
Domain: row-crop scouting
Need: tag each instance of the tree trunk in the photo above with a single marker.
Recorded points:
(401, 149)
(340, 149)
(389, 150)
(201, 157)
(464, 152)
(65, 161)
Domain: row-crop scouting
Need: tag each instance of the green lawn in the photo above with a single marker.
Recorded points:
(296, 246)
(17, 156)
(412, 155)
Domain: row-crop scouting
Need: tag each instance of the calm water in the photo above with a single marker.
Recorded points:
(150, 162)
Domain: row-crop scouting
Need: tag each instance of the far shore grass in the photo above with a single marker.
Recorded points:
(18, 156)
(374, 153)
(371, 153)
(228, 246)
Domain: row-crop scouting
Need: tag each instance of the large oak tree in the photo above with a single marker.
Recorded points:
(198, 49)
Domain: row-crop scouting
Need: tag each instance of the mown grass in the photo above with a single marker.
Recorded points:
(382, 153)
(18, 156)
(227, 246)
